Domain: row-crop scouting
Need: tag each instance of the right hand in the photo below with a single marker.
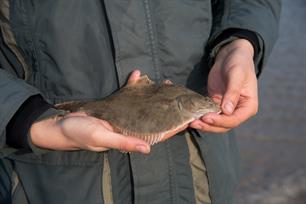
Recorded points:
(78, 131)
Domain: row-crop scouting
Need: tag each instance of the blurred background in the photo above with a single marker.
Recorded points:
(273, 143)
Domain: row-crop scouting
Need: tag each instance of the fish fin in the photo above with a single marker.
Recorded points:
(144, 80)
(71, 106)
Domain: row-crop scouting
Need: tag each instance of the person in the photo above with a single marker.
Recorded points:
(57, 51)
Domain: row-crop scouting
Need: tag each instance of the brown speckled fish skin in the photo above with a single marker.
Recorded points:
(147, 109)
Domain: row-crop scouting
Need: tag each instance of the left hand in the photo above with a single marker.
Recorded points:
(79, 131)
(232, 83)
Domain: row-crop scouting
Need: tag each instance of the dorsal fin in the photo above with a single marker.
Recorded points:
(144, 80)
(71, 106)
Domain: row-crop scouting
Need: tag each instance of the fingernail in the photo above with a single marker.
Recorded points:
(143, 149)
(137, 72)
(229, 107)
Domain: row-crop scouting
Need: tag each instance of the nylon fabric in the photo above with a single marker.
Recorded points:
(9, 38)
(80, 50)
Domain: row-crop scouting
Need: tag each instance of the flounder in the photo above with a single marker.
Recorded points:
(147, 110)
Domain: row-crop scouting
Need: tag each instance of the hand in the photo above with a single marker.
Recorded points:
(77, 131)
(232, 83)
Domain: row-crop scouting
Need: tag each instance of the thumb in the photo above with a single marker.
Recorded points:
(232, 93)
(126, 143)
(122, 142)
(134, 76)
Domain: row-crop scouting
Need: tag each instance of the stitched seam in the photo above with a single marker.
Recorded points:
(171, 177)
(10, 40)
(153, 47)
(34, 49)
(134, 173)
(117, 53)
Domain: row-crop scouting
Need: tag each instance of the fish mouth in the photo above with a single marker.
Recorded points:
(199, 115)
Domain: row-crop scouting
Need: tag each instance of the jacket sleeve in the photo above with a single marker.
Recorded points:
(258, 16)
(14, 92)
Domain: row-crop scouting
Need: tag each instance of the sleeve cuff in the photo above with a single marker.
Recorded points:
(230, 35)
(47, 114)
(251, 37)
(18, 127)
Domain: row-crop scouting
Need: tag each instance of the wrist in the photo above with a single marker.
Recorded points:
(240, 48)
(239, 53)
(41, 132)
(242, 45)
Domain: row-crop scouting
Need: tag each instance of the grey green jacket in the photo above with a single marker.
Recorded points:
(78, 50)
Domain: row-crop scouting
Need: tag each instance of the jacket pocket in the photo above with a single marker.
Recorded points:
(59, 177)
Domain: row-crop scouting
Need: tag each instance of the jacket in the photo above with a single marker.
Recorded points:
(80, 50)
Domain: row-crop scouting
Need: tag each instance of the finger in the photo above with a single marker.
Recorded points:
(233, 90)
(196, 124)
(217, 98)
(204, 127)
(121, 142)
(135, 75)
(129, 144)
(241, 114)
(106, 125)
(75, 114)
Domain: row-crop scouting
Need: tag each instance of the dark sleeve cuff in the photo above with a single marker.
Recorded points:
(240, 33)
(18, 127)
(230, 35)
(251, 37)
